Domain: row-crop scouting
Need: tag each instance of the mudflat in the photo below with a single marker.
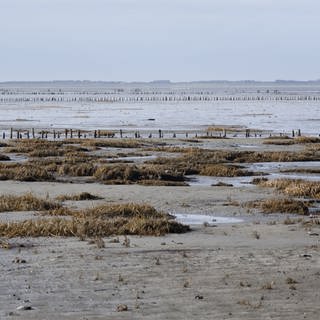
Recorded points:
(267, 266)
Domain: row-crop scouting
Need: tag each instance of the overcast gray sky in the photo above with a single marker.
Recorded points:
(143, 40)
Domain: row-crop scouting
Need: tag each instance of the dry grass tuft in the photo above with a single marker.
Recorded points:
(280, 206)
(296, 188)
(268, 286)
(83, 228)
(114, 143)
(25, 202)
(26, 172)
(279, 142)
(285, 140)
(77, 170)
(291, 281)
(78, 197)
(219, 170)
(126, 174)
(108, 211)
(97, 222)
(170, 149)
(307, 140)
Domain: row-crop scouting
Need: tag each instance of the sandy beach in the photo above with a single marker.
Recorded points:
(263, 267)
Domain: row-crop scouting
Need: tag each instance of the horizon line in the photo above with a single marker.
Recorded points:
(160, 81)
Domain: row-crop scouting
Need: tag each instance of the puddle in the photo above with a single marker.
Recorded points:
(275, 166)
(136, 158)
(200, 219)
(273, 169)
(15, 158)
(206, 181)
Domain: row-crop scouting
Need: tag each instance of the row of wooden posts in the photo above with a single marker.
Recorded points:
(71, 133)
(147, 98)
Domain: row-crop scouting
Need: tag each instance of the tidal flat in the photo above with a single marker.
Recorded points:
(159, 201)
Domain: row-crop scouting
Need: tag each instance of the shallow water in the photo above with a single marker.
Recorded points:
(195, 219)
(205, 181)
(121, 110)
(273, 169)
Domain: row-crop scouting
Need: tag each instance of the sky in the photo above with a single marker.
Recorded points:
(145, 40)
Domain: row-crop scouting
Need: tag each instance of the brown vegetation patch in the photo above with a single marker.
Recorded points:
(101, 221)
(284, 142)
(114, 143)
(196, 158)
(280, 206)
(25, 172)
(25, 202)
(90, 227)
(134, 174)
(163, 183)
(77, 170)
(307, 140)
(107, 211)
(294, 187)
(170, 149)
(218, 170)
(43, 148)
(78, 197)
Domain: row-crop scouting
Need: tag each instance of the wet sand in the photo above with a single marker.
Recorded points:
(218, 272)
(259, 268)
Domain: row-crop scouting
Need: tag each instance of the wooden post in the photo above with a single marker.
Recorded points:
(3, 135)
(66, 133)
(33, 133)
(99, 133)
(71, 134)
(95, 134)
(18, 134)
(54, 134)
(28, 136)
(299, 133)
(79, 134)
(120, 133)
(11, 133)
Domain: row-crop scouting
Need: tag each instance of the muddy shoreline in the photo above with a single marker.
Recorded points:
(261, 268)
